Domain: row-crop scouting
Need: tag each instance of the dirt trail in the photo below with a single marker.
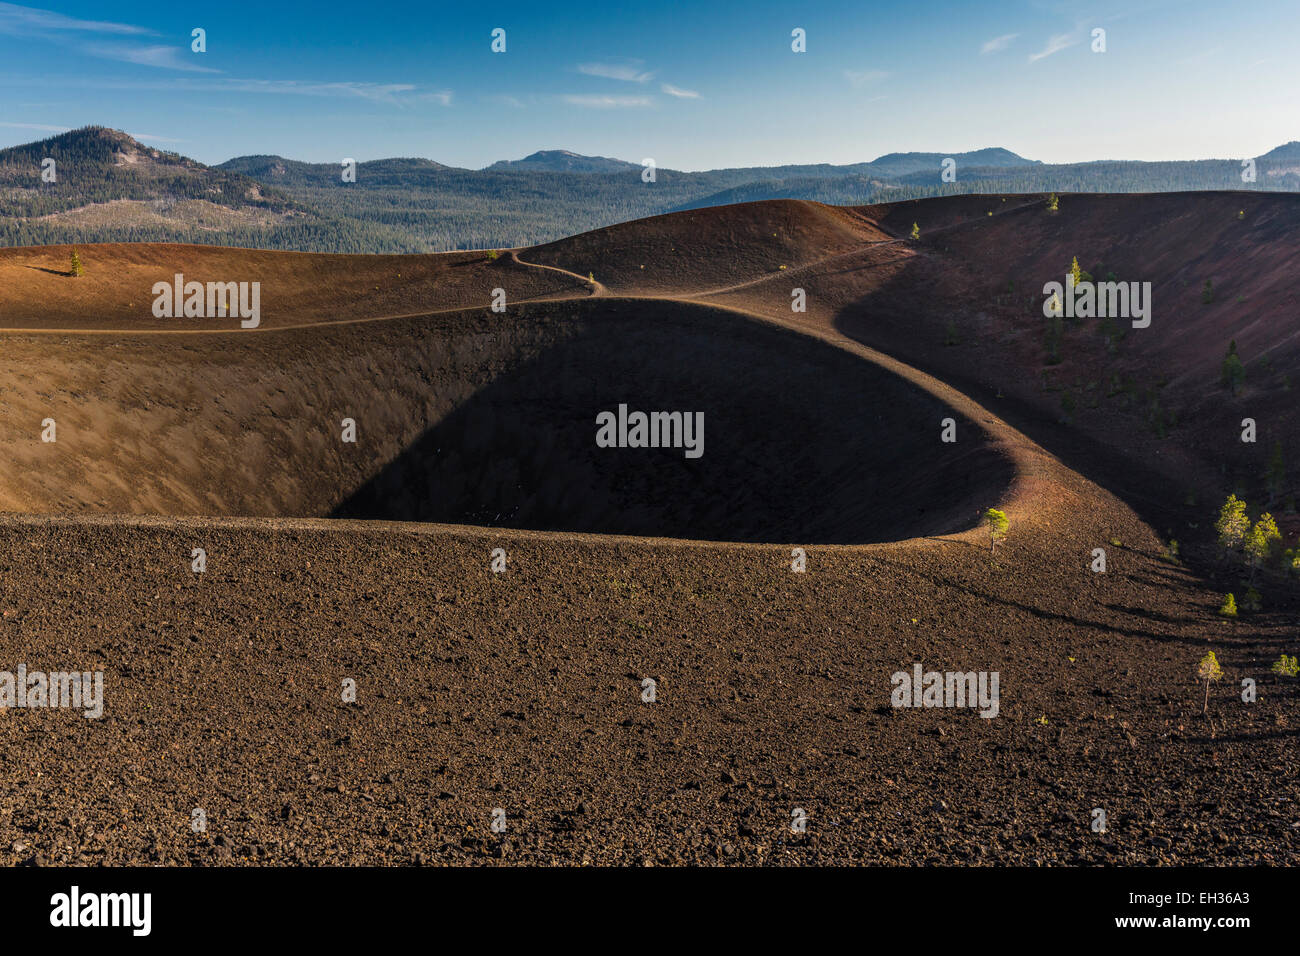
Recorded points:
(597, 289)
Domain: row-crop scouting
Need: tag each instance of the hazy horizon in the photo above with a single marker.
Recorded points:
(145, 140)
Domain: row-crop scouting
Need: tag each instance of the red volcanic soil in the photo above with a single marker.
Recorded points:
(523, 690)
(36, 291)
(708, 248)
(1142, 409)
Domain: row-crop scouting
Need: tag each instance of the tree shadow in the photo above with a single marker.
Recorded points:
(1244, 738)
(947, 581)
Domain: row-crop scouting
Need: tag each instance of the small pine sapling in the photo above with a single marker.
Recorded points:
(996, 522)
(1252, 601)
(1276, 472)
(1233, 372)
(1208, 670)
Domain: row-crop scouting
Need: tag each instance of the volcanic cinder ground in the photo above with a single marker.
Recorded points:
(333, 564)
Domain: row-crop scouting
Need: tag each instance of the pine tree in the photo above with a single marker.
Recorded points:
(916, 231)
(1208, 670)
(997, 523)
(1068, 405)
(1259, 541)
(1075, 272)
(76, 269)
(1276, 472)
(1053, 203)
(1233, 523)
(1234, 373)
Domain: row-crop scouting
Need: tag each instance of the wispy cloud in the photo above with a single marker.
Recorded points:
(629, 72)
(602, 102)
(393, 93)
(16, 20)
(167, 57)
(103, 39)
(397, 94)
(442, 97)
(860, 78)
(679, 92)
(998, 44)
(1056, 44)
(37, 126)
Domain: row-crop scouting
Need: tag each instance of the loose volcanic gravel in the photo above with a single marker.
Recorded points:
(522, 691)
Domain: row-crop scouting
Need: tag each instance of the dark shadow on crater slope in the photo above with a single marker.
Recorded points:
(908, 315)
(803, 442)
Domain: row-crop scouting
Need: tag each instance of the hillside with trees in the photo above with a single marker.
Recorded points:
(107, 187)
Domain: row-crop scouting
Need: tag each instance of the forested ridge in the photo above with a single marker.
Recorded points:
(109, 188)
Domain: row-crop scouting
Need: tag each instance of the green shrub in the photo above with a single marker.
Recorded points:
(1286, 666)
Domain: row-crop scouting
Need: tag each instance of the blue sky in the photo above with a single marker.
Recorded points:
(694, 86)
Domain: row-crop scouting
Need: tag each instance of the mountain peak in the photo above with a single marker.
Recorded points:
(903, 163)
(563, 160)
(1287, 152)
(99, 145)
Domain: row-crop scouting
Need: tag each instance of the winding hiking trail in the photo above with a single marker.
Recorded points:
(597, 289)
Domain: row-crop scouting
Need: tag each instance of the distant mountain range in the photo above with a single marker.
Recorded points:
(109, 187)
